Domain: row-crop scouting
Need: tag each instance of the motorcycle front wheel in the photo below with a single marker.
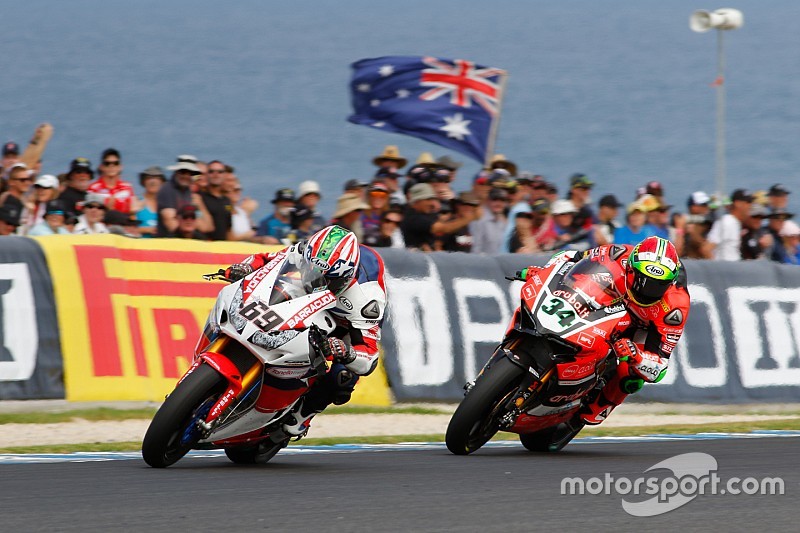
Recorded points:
(173, 431)
(477, 418)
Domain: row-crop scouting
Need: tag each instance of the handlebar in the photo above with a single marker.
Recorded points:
(219, 274)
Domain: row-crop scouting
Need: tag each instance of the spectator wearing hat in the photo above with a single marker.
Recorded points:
(654, 188)
(9, 220)
(301, 221)
(77, 182)
(187, 224)
(580, 188)
(151, 179)
(242, 228)
(563, 213)
(426, 159)
(534, 230)
(357, 187)
(699, 203)
(10, 156)
(52, 222)
(93, 210)
(45, 189)
(175, 194)
(16, 197)
(275, 227)
(790, 235)
(218, 205)
(349, 208)
(757, 242)
(487, 232)
(635, 230)
(378, 201)
(521, 205)
(607, 224)
(125, 224)
(117, 193)
(308, 196)
(500, 161)
(447, 163)
(465, 205)
(778, 197)
(422, 227)
(658, 217)
(440, 181)
(776, 219)
(391, 179)
(725, 236)
(390, 159)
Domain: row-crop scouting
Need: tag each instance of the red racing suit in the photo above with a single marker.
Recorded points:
(359, 308)
(655, 330)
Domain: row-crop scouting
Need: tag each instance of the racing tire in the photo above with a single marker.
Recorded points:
(476, 420)
(172, 433)
(255, 455)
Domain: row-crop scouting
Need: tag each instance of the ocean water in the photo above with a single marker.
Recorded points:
(619, 90)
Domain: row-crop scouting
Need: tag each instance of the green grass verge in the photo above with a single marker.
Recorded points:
(107, 413)
(685, 429)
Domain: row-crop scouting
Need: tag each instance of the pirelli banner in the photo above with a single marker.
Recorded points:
(130, 312)
(447, 312)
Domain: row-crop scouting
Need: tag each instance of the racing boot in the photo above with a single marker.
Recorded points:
(299, 420)
(611, 395)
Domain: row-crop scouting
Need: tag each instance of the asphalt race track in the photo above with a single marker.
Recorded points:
(423, 488)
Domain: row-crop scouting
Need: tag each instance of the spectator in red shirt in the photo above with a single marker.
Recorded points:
(117, 193)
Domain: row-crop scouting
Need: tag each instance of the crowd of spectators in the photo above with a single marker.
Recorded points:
(502, 211)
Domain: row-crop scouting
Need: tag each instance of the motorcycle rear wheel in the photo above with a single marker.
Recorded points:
(252, 455)
(476, 419)
(172, 433)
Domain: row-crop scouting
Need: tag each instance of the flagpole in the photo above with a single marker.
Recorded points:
(495, 122)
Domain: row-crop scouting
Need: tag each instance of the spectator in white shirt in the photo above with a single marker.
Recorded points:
(725, 237)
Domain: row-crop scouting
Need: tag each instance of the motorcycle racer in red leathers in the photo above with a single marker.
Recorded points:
(354, 273)
(653, 282)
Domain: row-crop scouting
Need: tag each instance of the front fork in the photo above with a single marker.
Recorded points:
(238, 385)
(530, 384)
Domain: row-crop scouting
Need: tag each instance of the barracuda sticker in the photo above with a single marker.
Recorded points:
(310, 309)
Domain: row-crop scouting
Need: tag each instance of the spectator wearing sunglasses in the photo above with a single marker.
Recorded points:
(19, 183)
(218, 205)
(93, 211)
(389, 234)
(115, 192)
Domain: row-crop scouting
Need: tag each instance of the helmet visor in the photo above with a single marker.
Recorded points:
(646, 290)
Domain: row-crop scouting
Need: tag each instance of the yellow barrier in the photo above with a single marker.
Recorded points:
(130, 312)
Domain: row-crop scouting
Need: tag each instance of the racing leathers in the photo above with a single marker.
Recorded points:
(358, 314)
(644, 348)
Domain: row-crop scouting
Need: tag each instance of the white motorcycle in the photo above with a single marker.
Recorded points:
(258, 355)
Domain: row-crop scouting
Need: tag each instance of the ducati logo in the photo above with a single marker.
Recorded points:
(371, 310)
(674, 318)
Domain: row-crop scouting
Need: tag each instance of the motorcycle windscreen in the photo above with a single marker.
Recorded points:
(594, 282)
(293, 281)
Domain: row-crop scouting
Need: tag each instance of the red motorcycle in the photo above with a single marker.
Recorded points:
(554, 358)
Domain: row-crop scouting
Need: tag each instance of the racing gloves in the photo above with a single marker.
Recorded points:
(237, 271)
(650, 367)
(338, 350)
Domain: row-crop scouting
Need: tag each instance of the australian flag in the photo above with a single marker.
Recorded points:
(453, 103)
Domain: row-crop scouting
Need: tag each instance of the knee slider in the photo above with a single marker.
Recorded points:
(344, 382)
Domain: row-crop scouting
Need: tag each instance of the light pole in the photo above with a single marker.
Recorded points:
(720, 20)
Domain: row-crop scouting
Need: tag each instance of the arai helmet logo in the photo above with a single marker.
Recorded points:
(319, 263)
(654, 270)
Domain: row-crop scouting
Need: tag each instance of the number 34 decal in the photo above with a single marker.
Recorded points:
(556, 307)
